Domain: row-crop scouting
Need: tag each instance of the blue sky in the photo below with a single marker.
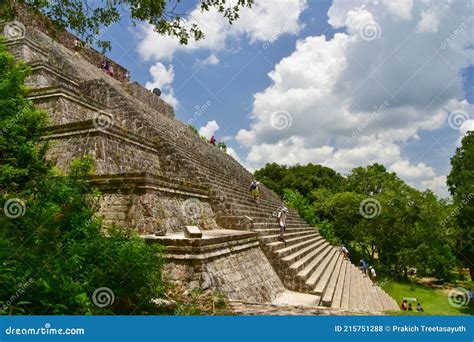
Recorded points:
(343, 83)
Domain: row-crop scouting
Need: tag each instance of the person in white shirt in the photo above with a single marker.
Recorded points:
(345, 251)
(282, 215)
(373, 275)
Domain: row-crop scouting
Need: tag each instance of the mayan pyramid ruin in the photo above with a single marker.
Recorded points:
(158, 177)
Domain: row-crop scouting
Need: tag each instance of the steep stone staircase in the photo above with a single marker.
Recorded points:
(305, 263)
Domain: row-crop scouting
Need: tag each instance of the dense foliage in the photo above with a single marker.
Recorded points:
(461, 186)
(53, 254)
(376, 214)
(89, 19)
(303, 179)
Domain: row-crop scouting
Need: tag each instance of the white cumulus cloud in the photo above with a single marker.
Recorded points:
(163, 78)
(356, 98)
(211, 60)
(265, 21)
(209, 130)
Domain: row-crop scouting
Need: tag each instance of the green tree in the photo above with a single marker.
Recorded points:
(52, 248)
(303, 178)
(461, 185)
(88, 18)
(375, 213)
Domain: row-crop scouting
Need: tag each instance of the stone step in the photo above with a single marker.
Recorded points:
(358, 300)
(345, 298)
(293, 247)
(319, 271)
(382, 303)
(339, 287)
(276, 231)
(306, 273)
(352, 295)
(369, 296)
(322, 285)
(301, 254)
(269, 225)
(303, 262)
(273, 238)
(251, 208)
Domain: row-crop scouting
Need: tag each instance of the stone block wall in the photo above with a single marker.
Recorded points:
(156, 213)
(64, 108)
(243, 275)
(111, 153)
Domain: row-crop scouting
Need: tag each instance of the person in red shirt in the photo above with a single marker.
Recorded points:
(213, 140)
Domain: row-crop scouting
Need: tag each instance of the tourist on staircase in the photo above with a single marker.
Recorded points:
(281, 217)
(373, 275)
(345, 251)
(364, 267)
(111, 71)
(77, 46)
(213, 140)
(104, 65)
(255, 190)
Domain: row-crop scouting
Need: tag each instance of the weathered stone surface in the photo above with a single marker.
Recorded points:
(152, 213)
(192, 232)
(242, 275)
(111, 153)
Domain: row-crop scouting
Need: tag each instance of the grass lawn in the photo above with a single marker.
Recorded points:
(434, 301)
